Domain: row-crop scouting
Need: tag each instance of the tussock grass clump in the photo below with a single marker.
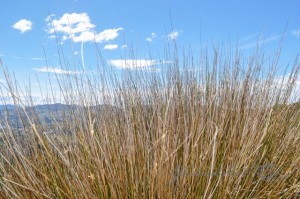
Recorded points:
(219, 128)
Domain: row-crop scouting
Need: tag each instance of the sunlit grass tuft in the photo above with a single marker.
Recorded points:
(220, 127)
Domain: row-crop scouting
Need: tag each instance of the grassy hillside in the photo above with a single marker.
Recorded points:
(220, 129)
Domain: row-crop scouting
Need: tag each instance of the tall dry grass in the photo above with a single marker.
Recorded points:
(219, 127)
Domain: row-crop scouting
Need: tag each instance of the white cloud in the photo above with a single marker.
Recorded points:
(23, 25)
(173, 35)
(296, 33)
(110, 47)
(46, 69)
(78, 27)
(151, 37)
(133, 63)
(70, 23)
(124, 46)
(2, 81)
(82, 37)
(107, 35)
(260, 42)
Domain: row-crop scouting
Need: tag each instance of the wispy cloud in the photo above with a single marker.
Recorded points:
(46, 69)
(260, 42)
(23, 25)
(249, 37)
(133, 63)
(110, 47)
(151, 37)
(78, 27)
(52, 37)
(173, 35)
(37, 58)
(296, 33)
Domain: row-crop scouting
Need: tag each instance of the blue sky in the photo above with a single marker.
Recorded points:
(28, 27)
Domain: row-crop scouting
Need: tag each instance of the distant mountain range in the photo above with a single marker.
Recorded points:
(14, 115)
(8, 107)
(56, 106)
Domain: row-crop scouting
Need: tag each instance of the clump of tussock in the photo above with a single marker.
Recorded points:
(221, 127)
